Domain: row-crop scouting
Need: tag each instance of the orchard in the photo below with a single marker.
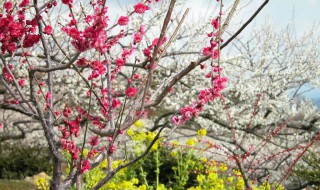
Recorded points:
(105, 89)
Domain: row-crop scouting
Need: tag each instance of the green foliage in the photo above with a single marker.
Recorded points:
(310, 169)
(125, 179)
(184, 163)
(179, 169)
(18, 162)
(169, 167)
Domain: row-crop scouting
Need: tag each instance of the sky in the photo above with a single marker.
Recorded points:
(304, 14)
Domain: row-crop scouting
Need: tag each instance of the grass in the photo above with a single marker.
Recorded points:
(16, 185)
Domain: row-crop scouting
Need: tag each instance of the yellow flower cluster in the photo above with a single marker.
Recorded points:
(203, 159)
(202, 132)
(115, 164)
(120, 182)
(174, 153)
(137, 134)
(211, 175)
(175, 143)
(190, 142)
(104, 164)
(223, 167)
(135, 131)
(42, 183)
(217, 178)
(210, 182)
(139, 124)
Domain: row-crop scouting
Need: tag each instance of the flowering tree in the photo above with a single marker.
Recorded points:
(259, 117)
(259, 124)
(87, 78)
(89, 52)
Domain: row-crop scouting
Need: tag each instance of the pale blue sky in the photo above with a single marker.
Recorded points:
(304, 13)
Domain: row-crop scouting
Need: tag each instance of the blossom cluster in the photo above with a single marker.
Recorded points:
(7, 75)
(94, 35)
(218, 83)
(72, 127)
(205, 96)
(16, 29)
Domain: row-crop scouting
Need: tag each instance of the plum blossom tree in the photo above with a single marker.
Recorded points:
(86, 77)
(95, 53)
(260, 116)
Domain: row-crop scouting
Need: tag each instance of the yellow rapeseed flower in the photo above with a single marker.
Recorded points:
(139, 136)
(85, 152)
(223, 167)
(151, 136)
(175, 143)
(103, 164)
(212, 163)
(240, 184)
(174, 153)
(134, 181)
(161, 187)
(130, 132)
(201, 178)
(139, 123)
(202, 132)
(111, 185)
(230, 179)
(204, 160)
(236, 172)
(213, 177)
(190, 142)
(117, 163)
(142, 187)
(42, 183)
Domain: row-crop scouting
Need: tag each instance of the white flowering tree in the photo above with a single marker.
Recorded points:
(85, 76)
(261, 122)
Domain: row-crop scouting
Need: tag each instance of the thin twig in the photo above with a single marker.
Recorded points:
(155, 52)
(244, 25)
(194, 64)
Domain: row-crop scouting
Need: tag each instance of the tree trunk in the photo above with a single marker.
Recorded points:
(56, 177)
